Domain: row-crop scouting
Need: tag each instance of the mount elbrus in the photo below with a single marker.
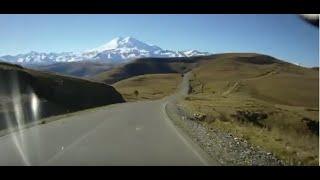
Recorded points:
(118, 50)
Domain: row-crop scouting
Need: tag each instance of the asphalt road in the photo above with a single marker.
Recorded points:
(138, 133)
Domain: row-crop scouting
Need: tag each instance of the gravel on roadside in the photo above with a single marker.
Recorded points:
(224, 147)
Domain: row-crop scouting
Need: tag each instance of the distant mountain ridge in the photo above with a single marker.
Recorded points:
(118, 50)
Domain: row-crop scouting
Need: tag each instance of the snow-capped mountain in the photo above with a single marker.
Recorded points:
(118, 50)
(194, 53)
(41, 58)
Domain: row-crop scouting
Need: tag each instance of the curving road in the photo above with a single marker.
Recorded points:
(138, 133)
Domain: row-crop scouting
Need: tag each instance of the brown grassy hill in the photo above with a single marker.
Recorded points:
(78, 69)
(261, 76)
(146, 66)
(56, 94)
(268, 102)
(148, 87)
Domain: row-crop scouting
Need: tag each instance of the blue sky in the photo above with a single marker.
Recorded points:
(284, 36)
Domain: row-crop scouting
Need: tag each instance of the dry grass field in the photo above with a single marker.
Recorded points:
(270, 103)
(149, 87)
